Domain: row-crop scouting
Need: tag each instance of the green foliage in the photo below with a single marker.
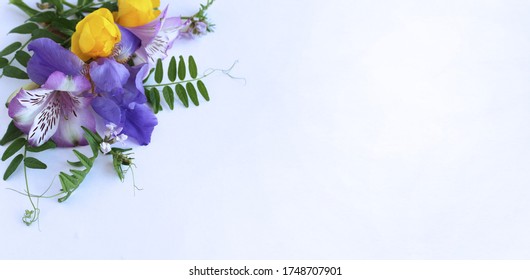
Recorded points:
(22, 57)
(182, 69)
(192, 67)
(70, 182)
(25, 8)
(120, 158)
(25, 28)
(159, 71)
(11, 134)
(14, 72)
(31, 162)
(185, 90)
(10, 49)
(13, 148)
(13, 166)
(172, 69)
(3, 62)
(203, 90)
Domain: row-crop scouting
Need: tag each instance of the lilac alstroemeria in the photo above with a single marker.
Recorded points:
(121, 99)
(57, 109)
(157, 37)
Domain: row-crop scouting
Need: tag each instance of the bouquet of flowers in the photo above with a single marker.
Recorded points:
(89, 64)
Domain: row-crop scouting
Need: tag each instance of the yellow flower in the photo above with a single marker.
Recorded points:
(95, 35)
(133, 13)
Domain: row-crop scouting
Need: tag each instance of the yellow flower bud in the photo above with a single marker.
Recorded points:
(95, 35)
(133, 13)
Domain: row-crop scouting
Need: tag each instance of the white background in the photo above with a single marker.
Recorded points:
(366, 130)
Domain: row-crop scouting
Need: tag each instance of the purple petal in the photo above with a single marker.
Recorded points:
(128, 45)
(147, 32)
(69, 132)
(135, 85)
(107, 74)
(49, 57)
(140, 122)
(62, 82)
(46, 121)
(25, 106)
(107, 109)
(157, 37)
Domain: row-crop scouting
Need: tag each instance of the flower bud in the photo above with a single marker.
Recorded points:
(95, 35)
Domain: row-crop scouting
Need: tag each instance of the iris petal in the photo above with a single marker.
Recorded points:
(140, 123)
(49, 57)
(107, 74)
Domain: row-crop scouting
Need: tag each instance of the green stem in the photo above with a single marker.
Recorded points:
(35, 215)
(66, 3)
(178, 82)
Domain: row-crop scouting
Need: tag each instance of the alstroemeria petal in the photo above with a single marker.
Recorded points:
(127, 46)
(140, 122)
(62, 82)
(107, 109)
(46, 122)
(25, 106)
(107, 74)
(49, 57)
(69, 132)
(157, 37)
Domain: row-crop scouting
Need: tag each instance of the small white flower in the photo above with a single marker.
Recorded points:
(122, 137)
(105, 147)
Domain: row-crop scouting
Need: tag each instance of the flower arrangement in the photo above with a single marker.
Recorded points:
(89, 64)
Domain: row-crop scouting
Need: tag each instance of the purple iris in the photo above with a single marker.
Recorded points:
(59, 108)
(121, 99)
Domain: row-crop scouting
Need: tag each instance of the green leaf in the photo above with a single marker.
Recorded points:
(11, 134)
(64, 23)
(117, 167)
(67, 182)
(182, 69)
(192, 67)
(203, 90)
(43, 33)
(46, 146)
(75, 163)
(13, 148)
(155, 95)
(93, 139)
(192, 93)
(181, 93)
(3, 62)
(169, 96)
(47, 17)
(31, 162)
(25, 8)
(25, 28)
(22, 57)
(159, 71)
(11, 48)
(148, 75)
(14, 72)
(172, 69)
(84, 159)
(78, 174)
(13, 166)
